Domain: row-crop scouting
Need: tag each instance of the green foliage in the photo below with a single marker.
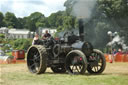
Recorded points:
(36, 16)
(11, 20)
(32, 21)
(114, 8)
(43, 22)
(2, 35)
(21, 23)
(9, 54)
(61, 21)
(4, 48)
(69, 22)
(1, 16)
(54, 19)
(21, 43)
(31, 25)
(1, 19)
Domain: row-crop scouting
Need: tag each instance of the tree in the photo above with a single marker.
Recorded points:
(43, 22)
(56, 19)
(31, 25)
(69, 22)
(21, 23)
(52, 20)
(36, 16)
(1, 19)
(11, 20)
(117, 12)
(114, 8)
(32, 20)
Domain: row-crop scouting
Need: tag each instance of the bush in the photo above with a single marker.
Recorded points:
(4, 48)
(2, 36)
(21, 44)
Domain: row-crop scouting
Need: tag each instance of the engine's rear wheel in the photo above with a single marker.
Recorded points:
(36, 59)
(76, 62)
(58, 69)
(97, 62)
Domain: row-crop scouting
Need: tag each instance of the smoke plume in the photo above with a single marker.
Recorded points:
(118, 40)
(83, 8)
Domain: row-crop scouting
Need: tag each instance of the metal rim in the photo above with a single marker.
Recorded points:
(76, 62)
(98, 62)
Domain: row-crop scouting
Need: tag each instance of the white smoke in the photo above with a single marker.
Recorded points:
(83, 8)
(115, 39)
(119, 40)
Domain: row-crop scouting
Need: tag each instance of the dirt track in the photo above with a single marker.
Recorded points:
(111, 68)
(117, 68)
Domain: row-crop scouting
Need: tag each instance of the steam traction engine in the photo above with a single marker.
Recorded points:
(70, 53)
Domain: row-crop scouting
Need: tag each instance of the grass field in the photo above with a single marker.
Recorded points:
(18, 74)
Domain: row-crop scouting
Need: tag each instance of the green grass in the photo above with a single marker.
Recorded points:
(17, 74)
(62, 79)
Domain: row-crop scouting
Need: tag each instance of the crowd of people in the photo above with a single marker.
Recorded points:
(115, 52)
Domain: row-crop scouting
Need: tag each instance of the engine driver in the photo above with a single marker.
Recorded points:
(46, 35)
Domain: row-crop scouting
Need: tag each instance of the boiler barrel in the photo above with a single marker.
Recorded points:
(85, 47)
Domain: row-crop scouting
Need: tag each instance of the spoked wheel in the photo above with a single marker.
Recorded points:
(36, 59)
(97, 62)
(76, 62)
(59, 69)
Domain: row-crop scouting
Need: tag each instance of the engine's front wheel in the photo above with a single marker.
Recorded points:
(36, 59)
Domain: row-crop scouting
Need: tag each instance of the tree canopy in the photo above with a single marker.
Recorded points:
(1, 19)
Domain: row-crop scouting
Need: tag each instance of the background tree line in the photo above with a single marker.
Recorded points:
(108, 15)
(56, 20)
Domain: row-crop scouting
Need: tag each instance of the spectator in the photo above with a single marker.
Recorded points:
(114, 51)
(119, 51)
(114, 54)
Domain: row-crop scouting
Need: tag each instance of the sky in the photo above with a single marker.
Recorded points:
(22, 8)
